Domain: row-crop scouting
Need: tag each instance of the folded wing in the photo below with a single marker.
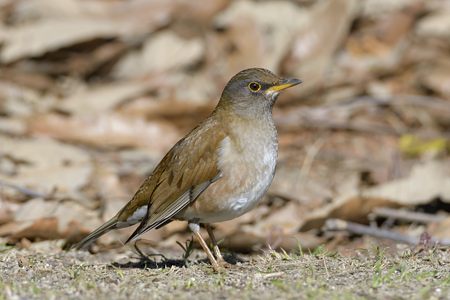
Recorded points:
(185, 172)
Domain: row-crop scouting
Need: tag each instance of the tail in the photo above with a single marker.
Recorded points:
(111, 224)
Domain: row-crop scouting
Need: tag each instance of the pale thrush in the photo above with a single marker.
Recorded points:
(218, 171)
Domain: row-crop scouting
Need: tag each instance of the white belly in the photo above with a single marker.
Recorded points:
(241, 203)
(246, 177)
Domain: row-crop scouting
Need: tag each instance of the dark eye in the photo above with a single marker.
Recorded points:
(254, 86)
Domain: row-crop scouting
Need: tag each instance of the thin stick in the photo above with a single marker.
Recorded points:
(341, 225)
(26, 191)
(401, 214)
(311, 153)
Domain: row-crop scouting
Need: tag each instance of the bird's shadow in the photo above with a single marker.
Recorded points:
(163, 263)
(150, 264)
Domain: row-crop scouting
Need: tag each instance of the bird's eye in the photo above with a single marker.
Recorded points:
(254, 86)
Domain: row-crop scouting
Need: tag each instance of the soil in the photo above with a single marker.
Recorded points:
(43, 271)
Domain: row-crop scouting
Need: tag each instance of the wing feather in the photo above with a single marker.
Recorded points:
(187, 170)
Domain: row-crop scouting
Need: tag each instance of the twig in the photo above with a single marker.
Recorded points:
(26, 191)
(326, 268)
(401, 214)
(269, 275)
(341, 225)
(311, 154)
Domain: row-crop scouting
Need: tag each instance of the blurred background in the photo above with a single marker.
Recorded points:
(94, 92)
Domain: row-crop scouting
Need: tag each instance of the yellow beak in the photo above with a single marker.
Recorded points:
(284, 84)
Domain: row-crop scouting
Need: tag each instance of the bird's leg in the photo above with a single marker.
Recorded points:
(195, 228)
(214, 242)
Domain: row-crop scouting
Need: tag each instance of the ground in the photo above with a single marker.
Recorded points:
(47, 273)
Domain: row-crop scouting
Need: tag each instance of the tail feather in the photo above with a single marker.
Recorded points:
(111, 224)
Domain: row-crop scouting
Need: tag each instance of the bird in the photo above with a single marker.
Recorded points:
(217, 172)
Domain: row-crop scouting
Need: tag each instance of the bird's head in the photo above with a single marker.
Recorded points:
(254, 90)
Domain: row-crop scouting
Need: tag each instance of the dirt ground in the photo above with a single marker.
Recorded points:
(45, 272)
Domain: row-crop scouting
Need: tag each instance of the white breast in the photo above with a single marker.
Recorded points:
(250, 173)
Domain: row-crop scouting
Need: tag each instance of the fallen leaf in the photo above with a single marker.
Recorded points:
(440, 230)
(426, 182)
(106, 97)
(106, 131)
(52, 34)
(64, 213)
(316, 42)
(42, 229)
(437, 78)
(436, 25)
(277, 30)
(6, 210)
(45, 164)
(163, 51)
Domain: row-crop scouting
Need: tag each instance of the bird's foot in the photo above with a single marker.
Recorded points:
(224, 264)
(221, 266)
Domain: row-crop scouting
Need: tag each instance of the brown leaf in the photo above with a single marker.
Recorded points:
(440, 230)
(28, 79)
(258, 37)
(437, 78)
(105, 97)
(354, 209)
(436, 25)
(64, 212)
(47, 35)
(286, 220)
(6, 210)
(172, 53)
(45, 164)
(425, 183)
(315, 43)
(62, 27)
(107, 131)
(41, 229)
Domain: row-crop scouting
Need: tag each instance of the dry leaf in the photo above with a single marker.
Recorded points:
(110, 130)
(315, 43)
(426, 182)
(6, 210)
(163, 51)
(49, 35)
(277, 29)
(41, 229)
(106, 97)
(378, 8)
(437, 78)
(64, 212)
(440, 230)
(436, 25)
(45, 164)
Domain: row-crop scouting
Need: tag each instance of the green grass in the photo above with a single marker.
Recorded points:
(274, 274)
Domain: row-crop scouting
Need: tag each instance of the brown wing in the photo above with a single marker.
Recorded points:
(183, 174)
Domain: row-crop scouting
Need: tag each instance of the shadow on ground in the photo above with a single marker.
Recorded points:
(147, 262)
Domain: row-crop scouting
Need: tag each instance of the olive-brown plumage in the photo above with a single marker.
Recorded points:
(218, 171)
